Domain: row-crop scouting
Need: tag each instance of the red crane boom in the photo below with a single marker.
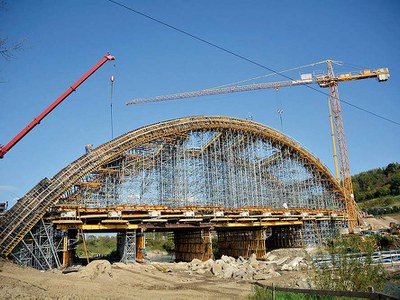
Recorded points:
(36, 121)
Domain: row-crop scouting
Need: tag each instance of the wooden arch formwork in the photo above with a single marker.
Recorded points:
(203, 163)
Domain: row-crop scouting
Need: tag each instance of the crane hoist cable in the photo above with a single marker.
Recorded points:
(269, 75)
(112, 78)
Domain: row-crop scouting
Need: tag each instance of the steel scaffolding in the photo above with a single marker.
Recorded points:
(225, 168)
(209, 162)
(126, 246)
(39, 249)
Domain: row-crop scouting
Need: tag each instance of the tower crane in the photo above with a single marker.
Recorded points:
(330, 81)
(36, 121)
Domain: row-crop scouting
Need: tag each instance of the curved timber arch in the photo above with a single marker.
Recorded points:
(200, 161)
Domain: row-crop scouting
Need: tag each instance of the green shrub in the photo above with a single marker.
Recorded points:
(169, 246)
(102, 245)
(215, 248)
(350, 273)
(260, 293)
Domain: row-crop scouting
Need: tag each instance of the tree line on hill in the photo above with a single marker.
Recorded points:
(378, 189)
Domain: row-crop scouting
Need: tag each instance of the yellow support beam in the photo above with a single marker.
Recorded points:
(97, 227)
(258, 224)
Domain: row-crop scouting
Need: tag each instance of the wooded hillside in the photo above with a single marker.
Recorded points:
(378, 188)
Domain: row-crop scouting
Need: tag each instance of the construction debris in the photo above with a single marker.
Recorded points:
(241, 269)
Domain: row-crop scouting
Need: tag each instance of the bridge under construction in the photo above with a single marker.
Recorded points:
(250, 185)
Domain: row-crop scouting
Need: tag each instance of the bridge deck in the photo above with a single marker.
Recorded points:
(162, 218)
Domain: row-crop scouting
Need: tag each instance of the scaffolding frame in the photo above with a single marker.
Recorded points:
(39, 248)
(195, 161)
(126, 246)
(227, 168)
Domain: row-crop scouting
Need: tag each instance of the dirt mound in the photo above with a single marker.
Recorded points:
(96, 268)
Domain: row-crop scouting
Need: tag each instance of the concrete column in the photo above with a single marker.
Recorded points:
(285, 237)
(140, 245)
(239, 242)
(190, 244)
(68, 254)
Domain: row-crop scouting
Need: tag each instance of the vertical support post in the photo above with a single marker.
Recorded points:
(65, 257)
(273, 292)
(140, 245)
(84, 246)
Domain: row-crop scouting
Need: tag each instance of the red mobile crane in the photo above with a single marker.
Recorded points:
(36, 121)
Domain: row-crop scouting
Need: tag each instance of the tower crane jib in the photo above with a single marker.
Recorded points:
(329, 81)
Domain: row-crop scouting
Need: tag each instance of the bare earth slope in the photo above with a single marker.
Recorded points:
(382, 222)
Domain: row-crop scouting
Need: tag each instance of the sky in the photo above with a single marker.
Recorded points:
(64, 39)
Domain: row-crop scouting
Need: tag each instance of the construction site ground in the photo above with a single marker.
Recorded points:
(383, 221)
(131, 281)
(150, 280)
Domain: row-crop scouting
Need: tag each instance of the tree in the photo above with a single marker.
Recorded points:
(7, 49)
(395, 185)
(391, 168)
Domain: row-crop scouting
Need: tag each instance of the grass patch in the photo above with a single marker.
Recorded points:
(260, 293)
(381, 202)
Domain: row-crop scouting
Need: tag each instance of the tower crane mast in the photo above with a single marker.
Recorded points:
(330, 81)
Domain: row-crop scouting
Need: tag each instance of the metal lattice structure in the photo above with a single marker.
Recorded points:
(194, 161)
(213, 167)
(127, 246)
(40, 248)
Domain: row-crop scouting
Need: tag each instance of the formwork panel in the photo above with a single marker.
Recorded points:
(140, 245)
(193, 244)
(285, 237)
(243, 243)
